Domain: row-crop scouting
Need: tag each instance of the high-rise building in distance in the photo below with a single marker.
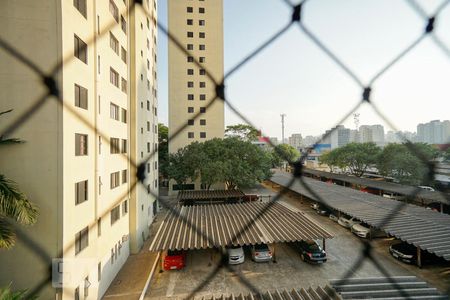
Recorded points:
(75, 164)
(193, 71)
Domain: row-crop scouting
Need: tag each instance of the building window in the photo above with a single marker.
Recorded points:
(190, 135)
(80, 5)
(124, 115)
(190, 84)
(124, 176)
(191, 122)
(81, 144)
(80, 49)
(124, 55)
(114, 111)
(124, 146)
(202, 97)
(115, 214)
(124, 85)
(113, 77)
(81, 240)
(190, 59)
(148, 167)
(99, 271)
(201, 10)
(201, 22)
(148, 126)
(99, 227)
(201, 47)
(190, 34)
(148, 148)
(81, 192)
(202, 110)
(190, 47)
(156, 165)
(190, 22)
(202, 122)
(114, 145)
(190, 9)
(125, 207)
(114, 10)
(202, 135)
(190, 71)
(190, 110)
(81, 97)
(202, 72)
(115, 179)
(190, 97)
(201, 59)
(123, 24)
(113, 43)
(202, 84)
(201, 35)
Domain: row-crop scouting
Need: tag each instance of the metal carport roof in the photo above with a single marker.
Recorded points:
(209, 195)
(385, 186)
(208, 226)
(426, 229)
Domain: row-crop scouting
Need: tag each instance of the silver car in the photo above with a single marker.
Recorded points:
(235, 255)
(261, 253)
(347, 222)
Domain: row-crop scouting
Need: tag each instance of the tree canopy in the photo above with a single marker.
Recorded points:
(243, 131)
(163, 149)
(235, 162)
(284, 153)
(406, 162)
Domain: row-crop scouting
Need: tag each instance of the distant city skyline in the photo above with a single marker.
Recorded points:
(312, 90)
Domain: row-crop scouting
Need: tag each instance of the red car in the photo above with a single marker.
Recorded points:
(174, 260)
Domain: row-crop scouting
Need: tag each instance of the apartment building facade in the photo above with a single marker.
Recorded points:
(193, 69)
(77, 164)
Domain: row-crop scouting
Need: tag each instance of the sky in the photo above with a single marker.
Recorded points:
(293, 76)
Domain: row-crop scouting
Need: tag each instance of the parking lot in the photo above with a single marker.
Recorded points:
(288, 271)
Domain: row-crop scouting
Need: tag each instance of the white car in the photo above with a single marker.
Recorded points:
(427, 188)
(365, 232)
(347, 222)
(333, 218)
(235, 255)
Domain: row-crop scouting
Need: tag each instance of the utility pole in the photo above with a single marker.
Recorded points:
(282, 127)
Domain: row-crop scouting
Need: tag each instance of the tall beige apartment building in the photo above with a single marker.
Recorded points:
(198, 26)
(75, 164)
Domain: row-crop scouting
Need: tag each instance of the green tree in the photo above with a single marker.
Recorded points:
(243, 131)
(163, 150)
(447, 154)
(14, 204)
(284, 153)
(7, 294)
(404, 162)
(332, 159)
(358, 157)
(244, 163)
(211, 168)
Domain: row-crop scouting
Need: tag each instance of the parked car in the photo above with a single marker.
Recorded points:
(436, 206)
(347, 222)
(315, 206)
(367, 232)
(427, 188)
(174, 260)
(333, 217)
(408, 253)
(311, 252)
(261, 253)
(235, 255)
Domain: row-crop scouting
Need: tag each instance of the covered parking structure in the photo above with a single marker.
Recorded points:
(214, 196)
(213, 226)
(422, 196)
(398, 287)
(426, 229)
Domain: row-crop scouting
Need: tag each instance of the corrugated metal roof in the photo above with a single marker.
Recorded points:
(207, 195)
(385, 186)
(424, 228)
(319, 293)
(405, 287)
(208, 226)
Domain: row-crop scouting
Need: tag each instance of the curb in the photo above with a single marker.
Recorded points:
(147, 283)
